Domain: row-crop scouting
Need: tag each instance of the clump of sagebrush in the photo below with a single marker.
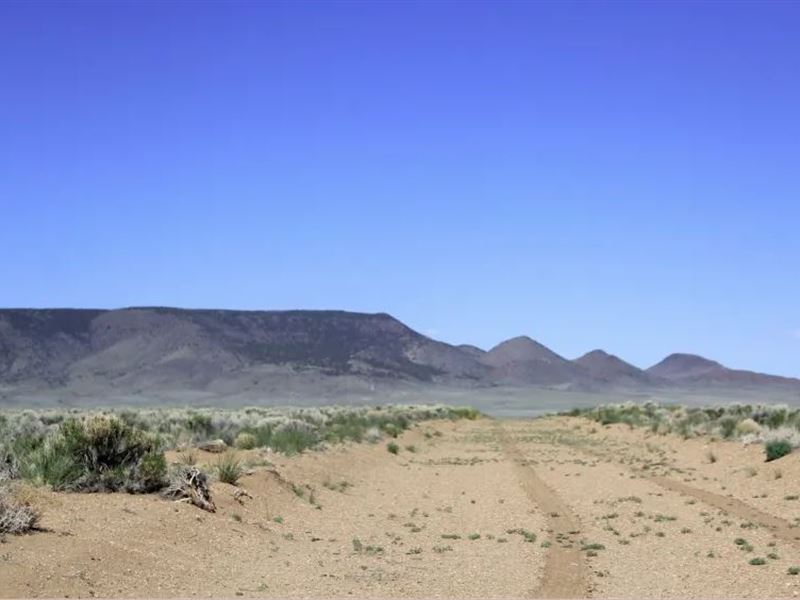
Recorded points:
(15, 516)
(97, 454)
(393, 447)
(465, 413)
(775, 449)
(750, 423)
(9, 469)
(48, 446)
(245, 441)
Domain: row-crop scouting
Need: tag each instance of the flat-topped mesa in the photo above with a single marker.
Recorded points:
(191, 349)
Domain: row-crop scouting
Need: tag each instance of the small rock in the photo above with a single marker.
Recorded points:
(215, 446)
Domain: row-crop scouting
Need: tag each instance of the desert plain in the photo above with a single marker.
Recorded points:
(552, 507)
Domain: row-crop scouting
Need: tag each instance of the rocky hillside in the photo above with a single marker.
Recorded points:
(301, 354)
(696, 371)
(611, 370)
(146, 347)
(522, 360)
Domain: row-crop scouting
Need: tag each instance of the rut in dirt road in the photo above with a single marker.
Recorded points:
(779, 527)
(565, 570)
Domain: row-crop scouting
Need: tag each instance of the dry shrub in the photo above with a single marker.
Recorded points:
(747, 426)
(190, 484)
(245, 441)
(16, 515)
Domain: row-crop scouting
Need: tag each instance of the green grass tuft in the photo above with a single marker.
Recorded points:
(229, 467)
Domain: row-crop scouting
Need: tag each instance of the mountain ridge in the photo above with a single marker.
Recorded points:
(695, 370)
(612, 370)
(146, 349)
(522, 360)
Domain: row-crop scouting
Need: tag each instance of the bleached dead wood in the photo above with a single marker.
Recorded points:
(190, 484)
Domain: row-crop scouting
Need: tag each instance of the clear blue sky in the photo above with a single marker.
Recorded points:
(621, 175)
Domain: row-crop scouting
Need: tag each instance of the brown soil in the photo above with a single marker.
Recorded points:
(564, 569)
(616, 513)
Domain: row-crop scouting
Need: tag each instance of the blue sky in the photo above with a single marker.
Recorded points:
(616, 175)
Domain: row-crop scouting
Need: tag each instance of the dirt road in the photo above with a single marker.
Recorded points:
(548, 508)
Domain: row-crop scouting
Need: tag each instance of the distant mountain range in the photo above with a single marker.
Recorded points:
(83, 352)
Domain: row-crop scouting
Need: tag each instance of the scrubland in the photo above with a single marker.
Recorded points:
(629, 500)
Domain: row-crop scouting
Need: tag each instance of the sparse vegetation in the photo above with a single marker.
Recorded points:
(777, 427)
(229, 467)
(611, 525)
(16, 517)
(393, 448)
(340, 486)
(191, 484)
(245, 441)
(187, 457)
(360, 548)
(592, 547)
(775, 449)
(528, 536)
(97, 454)
(122, 450)
(465, 413)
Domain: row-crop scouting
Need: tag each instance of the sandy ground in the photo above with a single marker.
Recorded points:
(555, 507)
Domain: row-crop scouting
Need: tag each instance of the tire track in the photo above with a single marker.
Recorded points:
(781, 528)
(565, 568)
